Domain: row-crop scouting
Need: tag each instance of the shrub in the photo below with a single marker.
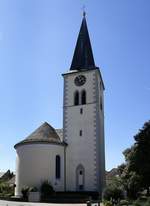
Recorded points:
(25, 191)
(113, 194)
(147, 203)
(6, 190)
(143, 198)
(142, 202)
(124, 202)
(46, 189)
(136, 203)
(33, 189)
(107, 203)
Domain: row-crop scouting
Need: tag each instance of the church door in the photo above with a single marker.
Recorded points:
(80, 178)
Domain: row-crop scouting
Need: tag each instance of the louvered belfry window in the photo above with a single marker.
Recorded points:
(76, 98)
(83, 97)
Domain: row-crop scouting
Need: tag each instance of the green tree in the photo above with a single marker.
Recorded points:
(113, 193)
(140, 158)
(131, 181)
(135, 173)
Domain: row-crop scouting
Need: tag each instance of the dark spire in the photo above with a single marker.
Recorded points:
(83, 55)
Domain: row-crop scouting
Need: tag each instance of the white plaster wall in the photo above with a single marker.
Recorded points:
(36, 163)
(83, 149)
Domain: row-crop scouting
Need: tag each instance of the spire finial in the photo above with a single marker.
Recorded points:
(84, 12)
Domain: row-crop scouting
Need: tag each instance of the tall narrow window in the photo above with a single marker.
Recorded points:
(80, 178)
(81, 110)
(83, 97)
(58, 167)
(76, 98)
(80, 133)
(101, 103)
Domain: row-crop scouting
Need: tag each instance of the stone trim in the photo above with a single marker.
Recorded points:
(65, 97)
(65, 121)
(95, 131)
(72, 72)
(81, 104)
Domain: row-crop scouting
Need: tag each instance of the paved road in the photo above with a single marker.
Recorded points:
(12, 203)
(8, 203)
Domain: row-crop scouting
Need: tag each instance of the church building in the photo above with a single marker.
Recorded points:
(72, 159)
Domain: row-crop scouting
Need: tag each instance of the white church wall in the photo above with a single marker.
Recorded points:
(83, 149)
(36, 163)
(100, 144)
(80, 149)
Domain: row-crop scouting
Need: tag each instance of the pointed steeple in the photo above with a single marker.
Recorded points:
(83, 56)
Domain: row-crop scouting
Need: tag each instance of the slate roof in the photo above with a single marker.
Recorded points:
(44, 134)
(60, 133)
(12, 180)
(83, 56)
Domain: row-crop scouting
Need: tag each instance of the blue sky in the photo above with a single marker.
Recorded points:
(37, 40)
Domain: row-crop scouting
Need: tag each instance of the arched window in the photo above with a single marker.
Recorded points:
(80, 176)
(76, 98)
(58, 167)
(83, 97)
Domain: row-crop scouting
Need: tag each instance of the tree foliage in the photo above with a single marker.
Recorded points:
(113, 193)
(135, 173)
(141, 156)
(6, 190)
(131, 183)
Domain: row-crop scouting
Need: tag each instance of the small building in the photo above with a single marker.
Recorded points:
(72, 159)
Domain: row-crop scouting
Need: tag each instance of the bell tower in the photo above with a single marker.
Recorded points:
(83, 119)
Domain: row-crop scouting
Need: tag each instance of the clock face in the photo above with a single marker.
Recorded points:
(80, 80)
